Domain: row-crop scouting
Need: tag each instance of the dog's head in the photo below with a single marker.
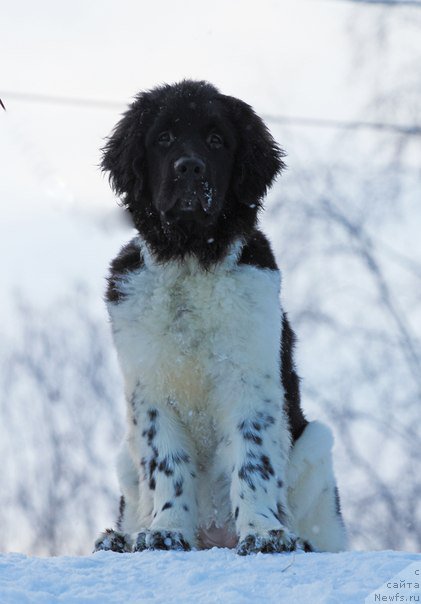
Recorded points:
(185, 158)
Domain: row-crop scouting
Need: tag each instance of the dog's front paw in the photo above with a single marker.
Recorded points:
(112, 541)
(269, 542)
(161, 539)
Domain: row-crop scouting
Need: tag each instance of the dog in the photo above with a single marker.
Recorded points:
(218, 451)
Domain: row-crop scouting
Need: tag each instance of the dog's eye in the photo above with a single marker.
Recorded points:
(215, 141)
(165, 138)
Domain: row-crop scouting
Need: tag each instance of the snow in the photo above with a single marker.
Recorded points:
(216, 575)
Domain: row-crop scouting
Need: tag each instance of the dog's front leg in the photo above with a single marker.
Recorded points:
(167, 461)
(259, 442)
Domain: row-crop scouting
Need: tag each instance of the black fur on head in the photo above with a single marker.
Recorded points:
(192, 166)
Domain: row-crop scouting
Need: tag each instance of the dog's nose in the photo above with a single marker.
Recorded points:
(189, 167)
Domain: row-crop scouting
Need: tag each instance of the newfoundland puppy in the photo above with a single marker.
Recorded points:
(217, 449)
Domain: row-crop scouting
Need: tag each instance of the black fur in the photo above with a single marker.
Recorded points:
(129, 259)
(291, 381)
(249, 148)
(258, 252)
(121, 509)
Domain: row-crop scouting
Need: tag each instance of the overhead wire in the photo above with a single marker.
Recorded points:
(402, 129)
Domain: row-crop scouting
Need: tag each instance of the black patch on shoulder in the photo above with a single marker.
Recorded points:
(257, 252)
(128, 260)
(291, 381)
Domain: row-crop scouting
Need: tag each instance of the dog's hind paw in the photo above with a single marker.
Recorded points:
(112, 541)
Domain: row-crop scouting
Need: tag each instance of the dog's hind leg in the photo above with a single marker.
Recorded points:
(120, 540)
(312, 492)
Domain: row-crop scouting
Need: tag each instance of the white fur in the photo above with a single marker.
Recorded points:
(201, 347)
(199, 351)
(311, 490)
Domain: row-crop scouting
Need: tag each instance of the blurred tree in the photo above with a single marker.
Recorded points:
(349, 245)
(61, 422)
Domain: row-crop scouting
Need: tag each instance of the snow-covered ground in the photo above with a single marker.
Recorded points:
(218, 575)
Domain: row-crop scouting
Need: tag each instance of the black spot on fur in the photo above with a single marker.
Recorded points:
(253, 437)
(236, 512)
(166, 466)
(185, 507)
(167, 506)
(338, 503)
(248, 431)
(279, 513)
(267, 466)
(152, 466)
(266, 419)
(279, 484)
(262, 467)
(150, 433)
(121, 509)
(153, 414)
(178, 487)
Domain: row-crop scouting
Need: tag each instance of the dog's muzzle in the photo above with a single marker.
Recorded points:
(193, 196)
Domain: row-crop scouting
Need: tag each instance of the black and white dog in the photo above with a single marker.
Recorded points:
(218, 451)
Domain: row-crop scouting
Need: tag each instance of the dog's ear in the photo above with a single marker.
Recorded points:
(124, 152)
(258, 157)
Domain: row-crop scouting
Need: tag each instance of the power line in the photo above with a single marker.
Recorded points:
(402, 129)
(391, 3)
(411, 130)
(63, 100)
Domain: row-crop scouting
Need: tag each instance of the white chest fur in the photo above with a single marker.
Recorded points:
(178, 327)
